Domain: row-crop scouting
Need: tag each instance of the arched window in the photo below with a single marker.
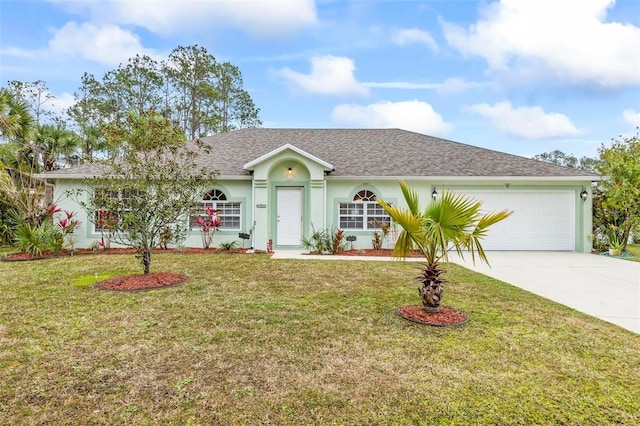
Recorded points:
(215, 195)
(364, 195)
(363, 213)
(228, 212)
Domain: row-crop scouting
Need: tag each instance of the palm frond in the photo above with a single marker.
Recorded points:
(473, 243)
(412, 234)
(411, 198)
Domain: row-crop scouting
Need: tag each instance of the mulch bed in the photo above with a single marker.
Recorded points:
(13, 257)
(445, 318)
(140, 282)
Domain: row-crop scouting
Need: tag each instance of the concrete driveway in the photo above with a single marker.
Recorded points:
(600, 286)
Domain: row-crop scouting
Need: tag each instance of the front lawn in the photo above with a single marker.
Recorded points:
(250, 340)
(634, 250)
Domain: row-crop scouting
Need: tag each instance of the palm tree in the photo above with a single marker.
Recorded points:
(15, 119)
(18, 190)
(91, 142)
(55, 142)
(451, 222)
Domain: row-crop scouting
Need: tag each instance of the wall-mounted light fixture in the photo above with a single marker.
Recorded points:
(584, 194)
(289, 172)
(434, 194)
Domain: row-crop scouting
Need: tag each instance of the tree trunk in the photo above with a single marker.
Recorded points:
(146, 261)
(431, 295)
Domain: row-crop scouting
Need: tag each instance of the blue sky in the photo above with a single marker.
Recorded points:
(518, 76)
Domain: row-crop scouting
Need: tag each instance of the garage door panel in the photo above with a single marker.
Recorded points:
(541, 220)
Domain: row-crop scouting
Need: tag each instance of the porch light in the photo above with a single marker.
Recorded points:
(584, 194)
(434, 194)
(289, 172)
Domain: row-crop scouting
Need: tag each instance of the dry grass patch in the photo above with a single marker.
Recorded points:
(250, 340)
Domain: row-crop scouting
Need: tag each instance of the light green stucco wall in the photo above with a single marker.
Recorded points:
(321, 200)
(343, 191)
(85, 234)
(273, 173)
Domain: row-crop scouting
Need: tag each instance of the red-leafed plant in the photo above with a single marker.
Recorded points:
(67, 225)
(105, 223)
(208, 224)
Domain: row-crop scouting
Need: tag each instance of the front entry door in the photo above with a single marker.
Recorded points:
(289, 232)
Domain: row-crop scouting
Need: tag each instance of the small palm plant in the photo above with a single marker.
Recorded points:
(451, 222)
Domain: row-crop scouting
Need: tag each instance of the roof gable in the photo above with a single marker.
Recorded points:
(251, 164)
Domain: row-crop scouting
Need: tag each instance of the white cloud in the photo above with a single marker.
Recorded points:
(61, 103)
(458, 85)
(526, 122)
(330, 75)
(411, 115)
(568, 40)
(415, 35)
(449, 86)
(110, 44)
(632, 117)
(18, 52)
(262, 17)
(407, 85)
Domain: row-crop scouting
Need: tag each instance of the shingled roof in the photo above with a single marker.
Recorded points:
(365, 153)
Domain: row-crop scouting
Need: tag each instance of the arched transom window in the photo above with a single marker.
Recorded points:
(363, 213)
(228, 212)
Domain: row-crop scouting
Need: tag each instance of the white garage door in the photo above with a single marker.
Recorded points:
(541, 220)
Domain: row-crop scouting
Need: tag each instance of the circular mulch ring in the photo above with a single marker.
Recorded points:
(445, 318)
(141, 282)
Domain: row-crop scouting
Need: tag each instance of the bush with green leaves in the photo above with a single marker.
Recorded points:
(229, 245)
(51, 234)
(324, 241)
(618, 202)
(6, 234)
(37, 239)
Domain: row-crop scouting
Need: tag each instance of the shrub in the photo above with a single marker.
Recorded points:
(51, 234)
(337, 244)
(379, 236)
(208, 224)
(36, 240)
(5, 232)
(66, 226)
(229, 245)
(315, 242)
(323, 241)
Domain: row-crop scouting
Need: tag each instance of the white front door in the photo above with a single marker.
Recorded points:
(289, 211)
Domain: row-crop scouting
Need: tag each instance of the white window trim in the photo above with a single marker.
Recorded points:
(97, 230)
(214, 205)
(366, 226)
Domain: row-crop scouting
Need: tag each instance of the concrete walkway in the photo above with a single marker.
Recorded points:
(600, 286)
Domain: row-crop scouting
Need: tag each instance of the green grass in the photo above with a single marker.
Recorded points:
(250, 340)
(634, 249)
